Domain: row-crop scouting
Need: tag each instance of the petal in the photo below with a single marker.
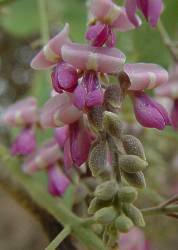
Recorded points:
(51, 53)
(174, 115)
(154, 11)
(97, 34)
(79, 97)
(99, 59)
(168, 90)
(57, 181)
(95, 98)
(23, 112)
(145, 75)
(131, 7)
(68, 162)
(61, 135)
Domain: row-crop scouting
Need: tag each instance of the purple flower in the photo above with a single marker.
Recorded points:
(25, 143)
(148, 112)
(57, 181)
(64, 77)
(151, 9)
(174, 115)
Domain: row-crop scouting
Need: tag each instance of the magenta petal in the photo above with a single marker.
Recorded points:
(97, 34)
(61, 135)
(68, 162)
(174, 115)
(94, 98)
(131, 7)
(25, 143)
(79, 97)
(148, 113)
(57, 181)
(154, 11)
(80, 141)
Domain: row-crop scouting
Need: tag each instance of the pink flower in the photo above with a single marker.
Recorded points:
(21, 113)
(148, 112)
(50, 55)
(25, 143)
(109, 17)
(151, 9)
(61, 135)
(57, 181)
(47, 155)
(134, 240)
(174, 115)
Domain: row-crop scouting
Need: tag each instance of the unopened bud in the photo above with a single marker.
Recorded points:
(134, 214)
(123, 223)
(95, 117)
(112, 123)
(112, 98)
(95, 205)
(97, 158)
(105, 215)
(136, 179)
(106, 190)
(127, 194)
(132, 163)
(133, 146)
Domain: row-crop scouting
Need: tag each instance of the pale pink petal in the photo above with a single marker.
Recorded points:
(23, 112)
(145, 76)
(131, 7)
(68, 162)
(154, 11)
(50, 55)
(100, 59)
(168, 90)
(61, 134)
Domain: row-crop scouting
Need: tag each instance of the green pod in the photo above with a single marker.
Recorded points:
(127, 194)
(133, 146)
(105, 215)
(106, 190)
(137, 179)
(97, 158)
(95, 117)
(132, 163)
(112, 97)
(123, 223)
(112, 124)
(96, 204)
(134, 214)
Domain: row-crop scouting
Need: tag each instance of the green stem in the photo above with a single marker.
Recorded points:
(59, 239)
(42, 6)
(160, 210)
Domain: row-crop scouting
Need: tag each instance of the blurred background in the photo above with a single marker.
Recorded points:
(20, 39)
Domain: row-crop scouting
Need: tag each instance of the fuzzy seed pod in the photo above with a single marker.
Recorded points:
(132, 163)
(134, 214)
(112, 98)
(133, 146)
(96, 204)
(106, 190)
(112, 124)
(127, 194)
(136, 179)
(123, 223)
(105, 215)
(97, 158)
(95, 117)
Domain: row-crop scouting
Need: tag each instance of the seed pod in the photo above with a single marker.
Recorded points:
(127, 194)
(95, 117)
(96, 204)
(112, 98)
(133, 146)
(106, 190)
(105, 215)
(97, 158)
(97, 228)
(132, 163)
(134, 214)
(112, 124)
(123, 223)
(136, 180)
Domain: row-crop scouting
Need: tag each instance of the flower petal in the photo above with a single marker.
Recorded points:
(61, 135)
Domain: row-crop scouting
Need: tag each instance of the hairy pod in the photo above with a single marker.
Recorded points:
(96, 204)
(136, 179)
(112, 124)
(112, 98)
(132, 163)
(105, 215)
(97, 158)
(123, 223)
(106, 191)
(95, 117)
(134, 214)
(127, 194)
(133, 146)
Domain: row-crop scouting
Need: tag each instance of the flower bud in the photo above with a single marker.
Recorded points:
(112, 97)
(123, 223)
(134, 214)
(133, 146)
(95, 117)
(112, 123)
(106, 190)
(127, 194)
(96, 204)
(105, 215)
(97, 158)
(132, 163)
(136, 179)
